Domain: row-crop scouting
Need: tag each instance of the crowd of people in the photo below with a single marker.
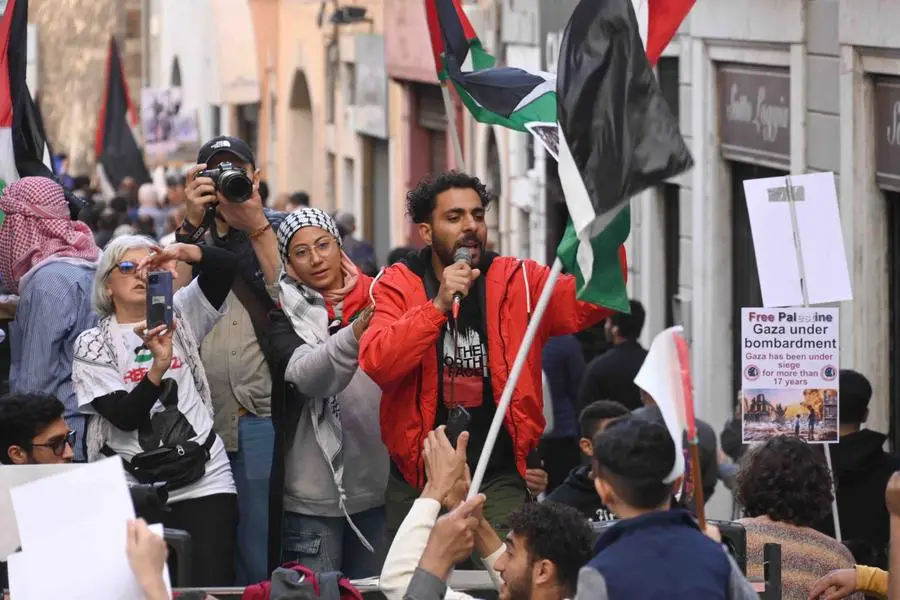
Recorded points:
(305, 405)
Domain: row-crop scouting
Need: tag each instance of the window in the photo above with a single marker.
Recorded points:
(349, 84)
(348, 185)
(330, 167)
(248, 124)
(175, 79)
(133, 24)
(331, 76)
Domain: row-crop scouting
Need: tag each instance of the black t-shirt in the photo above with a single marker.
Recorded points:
(465, 380)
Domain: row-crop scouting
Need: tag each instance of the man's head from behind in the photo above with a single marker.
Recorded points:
(547, 544)
(594, 418)
(632, 457)
(621, 327)
(855, 393)
(449, 212)
(33, 431)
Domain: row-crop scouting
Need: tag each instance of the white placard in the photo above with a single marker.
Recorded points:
(820, 236)
(789, 373)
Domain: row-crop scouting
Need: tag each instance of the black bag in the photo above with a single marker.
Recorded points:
(174, 465)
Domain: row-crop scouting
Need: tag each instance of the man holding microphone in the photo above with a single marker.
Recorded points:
(435, 368)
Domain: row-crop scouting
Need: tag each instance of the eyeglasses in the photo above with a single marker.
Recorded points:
(126, 267)
(323, 249)
(58, 444)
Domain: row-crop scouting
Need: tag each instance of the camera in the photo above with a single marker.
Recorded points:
(231, 181)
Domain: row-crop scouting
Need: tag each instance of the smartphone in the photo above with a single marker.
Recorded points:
(457, 421)
(159, 299)
(535, 459)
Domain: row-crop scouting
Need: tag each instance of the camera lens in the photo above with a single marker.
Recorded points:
(154, 278)
(235, 186)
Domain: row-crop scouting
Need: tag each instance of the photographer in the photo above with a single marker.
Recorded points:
(224, 209)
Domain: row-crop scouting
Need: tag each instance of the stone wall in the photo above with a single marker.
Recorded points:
(73, 46)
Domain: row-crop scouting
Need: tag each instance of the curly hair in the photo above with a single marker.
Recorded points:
(787, 480)
(420, 202)
(558, 533)
(634, 456)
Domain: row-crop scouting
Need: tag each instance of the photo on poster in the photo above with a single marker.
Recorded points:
(548, 135)
(789, 374)
(809, 414)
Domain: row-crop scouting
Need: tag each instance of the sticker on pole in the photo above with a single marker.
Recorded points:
(789, 382)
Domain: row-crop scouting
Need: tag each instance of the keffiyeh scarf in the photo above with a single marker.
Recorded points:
(38, 228)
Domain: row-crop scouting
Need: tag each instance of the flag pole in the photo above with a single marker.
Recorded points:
(801, 268)
(518, 365)
(451, 125)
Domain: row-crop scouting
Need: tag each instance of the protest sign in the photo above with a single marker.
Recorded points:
(789, 379)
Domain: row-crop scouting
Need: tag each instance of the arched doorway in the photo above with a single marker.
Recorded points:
(494, 181)
(175, 73)
(300, 174)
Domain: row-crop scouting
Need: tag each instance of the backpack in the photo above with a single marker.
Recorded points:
(293, 581)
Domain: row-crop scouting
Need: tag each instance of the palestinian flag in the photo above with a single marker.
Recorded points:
(617, 135)
(23, 149)
(506, 96)
(116, 148)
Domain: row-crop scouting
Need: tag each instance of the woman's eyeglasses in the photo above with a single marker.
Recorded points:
(322, 248)
(126, 267)
(58, 443)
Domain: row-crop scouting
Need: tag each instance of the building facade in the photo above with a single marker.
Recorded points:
(73, 46)
(768, 88)
(204, 48)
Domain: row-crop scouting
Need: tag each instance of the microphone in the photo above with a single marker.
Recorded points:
(463, 255)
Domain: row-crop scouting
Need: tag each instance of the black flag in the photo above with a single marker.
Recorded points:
(116, 148)
(23, 147)
(621, 134)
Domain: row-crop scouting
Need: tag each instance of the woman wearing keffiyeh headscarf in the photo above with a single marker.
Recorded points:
(48, 260)
(335, 467)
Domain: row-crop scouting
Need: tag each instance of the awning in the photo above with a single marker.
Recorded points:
(235, 43)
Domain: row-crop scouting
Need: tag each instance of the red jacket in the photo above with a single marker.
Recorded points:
(398, 351)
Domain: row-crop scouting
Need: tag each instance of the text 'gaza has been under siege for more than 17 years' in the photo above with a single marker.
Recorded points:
(789, 381)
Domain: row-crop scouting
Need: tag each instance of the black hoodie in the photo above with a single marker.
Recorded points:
(862, 469)
(578, 492)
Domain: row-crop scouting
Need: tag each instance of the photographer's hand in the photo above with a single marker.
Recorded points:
(200, 192)
(250, 218)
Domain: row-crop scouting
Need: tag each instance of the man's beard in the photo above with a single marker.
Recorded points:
(520, 589)
(446, 252)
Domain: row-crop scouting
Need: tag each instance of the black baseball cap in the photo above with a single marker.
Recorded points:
(226, 143)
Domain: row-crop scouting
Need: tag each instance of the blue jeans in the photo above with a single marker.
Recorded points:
(251, 466)
(324, 544)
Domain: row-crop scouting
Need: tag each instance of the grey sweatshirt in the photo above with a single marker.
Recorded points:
(332, 369)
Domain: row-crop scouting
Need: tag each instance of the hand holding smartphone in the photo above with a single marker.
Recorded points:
(159, 299)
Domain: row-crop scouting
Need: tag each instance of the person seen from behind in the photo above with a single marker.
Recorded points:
(653, 551)
(360, 251)
(785, 488)
(563, 364)
(49, 261)
(578, 489)
(611, 375)
(861, 470)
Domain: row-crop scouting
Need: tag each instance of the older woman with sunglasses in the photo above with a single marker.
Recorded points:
(147, 397)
